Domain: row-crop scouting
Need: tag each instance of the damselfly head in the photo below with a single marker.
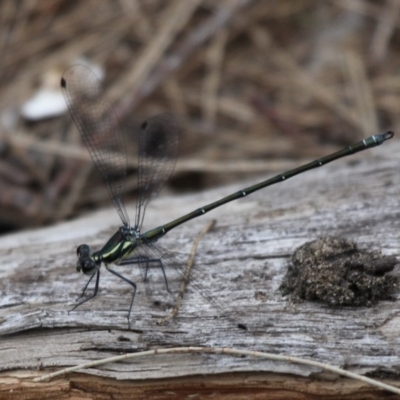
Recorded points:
(86, 263)
(83, 251)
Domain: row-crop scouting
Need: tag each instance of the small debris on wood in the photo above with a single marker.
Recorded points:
(333, 270)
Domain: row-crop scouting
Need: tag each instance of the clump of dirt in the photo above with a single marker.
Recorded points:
(333, 270)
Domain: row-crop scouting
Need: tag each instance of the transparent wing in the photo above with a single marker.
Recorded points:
(158, 151)
(99, 128)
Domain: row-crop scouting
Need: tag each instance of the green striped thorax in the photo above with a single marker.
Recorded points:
(118, 247)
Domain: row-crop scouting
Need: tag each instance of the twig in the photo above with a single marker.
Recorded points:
(215, 57)
(387, 24)
(178, 14)
(78, 153)
(173, 62)
(229, 351)
(360, 90)
(186, 273)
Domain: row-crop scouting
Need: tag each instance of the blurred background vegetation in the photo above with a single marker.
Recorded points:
(258, 87)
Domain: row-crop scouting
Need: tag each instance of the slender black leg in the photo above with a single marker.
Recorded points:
(159, 261)
(133, 293)
(147, 261)
(86, 286)
(96, 289)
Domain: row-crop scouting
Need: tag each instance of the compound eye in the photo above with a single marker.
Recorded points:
(86, 265)
(83, 251)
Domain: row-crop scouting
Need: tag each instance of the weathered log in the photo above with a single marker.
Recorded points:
(239, 267)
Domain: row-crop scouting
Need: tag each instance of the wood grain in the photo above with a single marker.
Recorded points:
(239, 268)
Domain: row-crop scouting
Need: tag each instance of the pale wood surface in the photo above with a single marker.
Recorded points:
(241, 263)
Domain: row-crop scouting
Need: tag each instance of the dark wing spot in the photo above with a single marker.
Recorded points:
(144, 125)
(63, 83)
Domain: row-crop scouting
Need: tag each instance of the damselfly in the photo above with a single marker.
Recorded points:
(158, 151)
